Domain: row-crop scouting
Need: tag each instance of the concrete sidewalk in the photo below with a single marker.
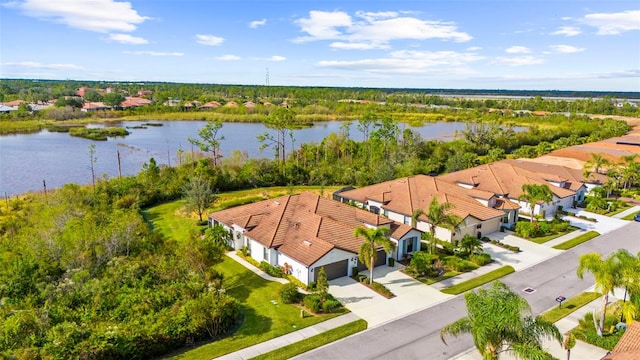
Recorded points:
(582, 350)
(290, 338)
(627, 212)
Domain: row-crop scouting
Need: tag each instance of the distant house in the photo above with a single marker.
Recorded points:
(481, 212)
(302, 233)
(133, 102)
(249, 104)
(143, 93)
(81, 91)
(94, 106)
(15, 103)
(231, 104)
(210, 105)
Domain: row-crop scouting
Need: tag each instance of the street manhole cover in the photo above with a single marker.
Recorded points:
(529, 290)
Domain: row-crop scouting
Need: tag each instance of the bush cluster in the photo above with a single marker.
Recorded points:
(480, 259)
(289, 293)
(274, 271)
(313, 302)
(460, 265)
(527, 229)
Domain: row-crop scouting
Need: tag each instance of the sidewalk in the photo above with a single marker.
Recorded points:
(582, 350)
(632, 210)
(290, 338)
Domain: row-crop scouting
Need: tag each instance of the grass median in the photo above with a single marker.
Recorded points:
(577, 240)
(570, 306)
(313, 342)
(630, 216)
(477, 281)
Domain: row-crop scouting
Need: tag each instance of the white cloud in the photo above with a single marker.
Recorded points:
(566, 49)
(518, 50)
(94, 15)
(210, 40)
(474, 48)
(228, 58)
(409, 62)
(127, 39)
(37, 65)
(517, 61)
(567, 31)
(276, 58)
(370, 30)
(256, 23)
(614, 23)
(357, 46)
(153, 53)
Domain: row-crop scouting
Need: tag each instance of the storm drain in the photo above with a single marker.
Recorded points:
(529, 290)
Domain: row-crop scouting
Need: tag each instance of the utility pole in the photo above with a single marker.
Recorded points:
(44, 184)
(119, 168)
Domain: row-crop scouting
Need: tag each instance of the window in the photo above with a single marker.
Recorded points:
(410, 244)
(407, 220)
(374, 209)
(265, 254)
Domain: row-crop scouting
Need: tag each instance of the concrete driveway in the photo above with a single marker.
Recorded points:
(411, 295)
(603, 225)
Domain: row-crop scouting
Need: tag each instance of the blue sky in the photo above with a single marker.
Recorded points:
(508, 44)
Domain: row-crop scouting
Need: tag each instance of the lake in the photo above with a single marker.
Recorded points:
(58, 158)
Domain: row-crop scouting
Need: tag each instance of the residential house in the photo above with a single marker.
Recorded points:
(133, 102)
(302, 233)
(94, 106)
(505, 179)
(143, 93)
(481, 212)
(628, 347)
(210, 105)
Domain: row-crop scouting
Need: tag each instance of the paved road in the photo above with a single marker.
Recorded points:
(417, 336)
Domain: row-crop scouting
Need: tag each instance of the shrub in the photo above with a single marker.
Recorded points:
(289, 293)
(460, 265)
(330, 305)
(421, 262)
(354, 271)
(381, 289)
(480, 259)
(485, 239)
(525, 229)
(362, 278)
(543, 228)
(560, 227)
(312, 303)
(271, 270)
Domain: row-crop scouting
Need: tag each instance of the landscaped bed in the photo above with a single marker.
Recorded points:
(540, 232)
(477, 281)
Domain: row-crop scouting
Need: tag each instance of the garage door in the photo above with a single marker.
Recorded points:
(381, 259)
(334, 270)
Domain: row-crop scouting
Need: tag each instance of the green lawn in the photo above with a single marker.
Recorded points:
(313, 342)
(570, 306)
(544, 239)
(630, 216)
(477, 281)
(430, 280)
(263, 319)
(577, 240)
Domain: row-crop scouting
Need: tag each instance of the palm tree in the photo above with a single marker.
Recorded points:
(629, 170)
(470, 245)
(437, 216)
(607, 276)
(499, 321)
(373, 237)
(596, 163)
(533, 193)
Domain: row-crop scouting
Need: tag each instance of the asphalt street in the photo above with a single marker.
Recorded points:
(417, 336)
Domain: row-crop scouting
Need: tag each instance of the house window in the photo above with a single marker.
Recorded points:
(374, 209)
(410, 244)
(265, 254)
(505, 218)
(407, 220)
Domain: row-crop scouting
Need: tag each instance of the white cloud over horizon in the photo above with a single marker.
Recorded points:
(613, 23)
(153, 53)
(517, 61)
(95, 15)
(373, 30)
(518, 50)
(566, 49)
(567, 31)
(38, 65)
(228, 57)
(257, 23)
(209, 40)
(127, 39)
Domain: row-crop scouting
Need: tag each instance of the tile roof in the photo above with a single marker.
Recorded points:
(15, 103)
(134, 101)
(506, 177)
(628, 346)
(405, 195)
(306, 226)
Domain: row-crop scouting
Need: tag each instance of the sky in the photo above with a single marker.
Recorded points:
(451, 44)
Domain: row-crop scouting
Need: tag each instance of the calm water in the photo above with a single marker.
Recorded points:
(58, 158)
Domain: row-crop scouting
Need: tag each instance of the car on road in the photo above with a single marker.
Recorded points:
(637, 217)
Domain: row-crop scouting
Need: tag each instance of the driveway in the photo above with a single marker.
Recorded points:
(530, 254)
(604, 224)
(411, 295)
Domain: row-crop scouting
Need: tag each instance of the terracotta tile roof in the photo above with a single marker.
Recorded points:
(505, 178)
(134, 101)
(94, 105)
(405, 195)
(574, 178)
(15, 103)
(211, 104)
(628, 346)
(304, 227)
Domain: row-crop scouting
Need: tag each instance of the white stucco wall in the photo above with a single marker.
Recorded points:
(306, 275)
(398, 254)
(299, 271)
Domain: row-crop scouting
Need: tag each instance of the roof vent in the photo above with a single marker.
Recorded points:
(277, 202)
(307, 242)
